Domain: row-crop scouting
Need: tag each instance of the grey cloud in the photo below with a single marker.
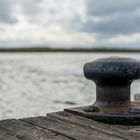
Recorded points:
(6, 7)
(109, 7)
(115, 25)
(31, 7)
(115, 17)
(40, 11)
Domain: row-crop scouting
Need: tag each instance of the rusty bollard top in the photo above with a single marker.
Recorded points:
(113, 77)
(108, 69)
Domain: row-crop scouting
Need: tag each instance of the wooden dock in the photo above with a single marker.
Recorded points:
(65, 126)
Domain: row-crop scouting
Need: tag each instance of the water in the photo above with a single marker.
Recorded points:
(34, 84)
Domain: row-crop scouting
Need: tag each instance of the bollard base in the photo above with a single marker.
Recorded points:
(132, 117)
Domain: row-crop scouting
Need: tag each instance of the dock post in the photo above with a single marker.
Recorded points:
(113, 77)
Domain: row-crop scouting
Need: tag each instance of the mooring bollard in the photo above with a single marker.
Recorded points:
(113, 77)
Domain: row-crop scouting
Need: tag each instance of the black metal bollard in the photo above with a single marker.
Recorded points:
(113, 77)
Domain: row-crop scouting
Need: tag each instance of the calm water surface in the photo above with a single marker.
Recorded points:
(34, 84)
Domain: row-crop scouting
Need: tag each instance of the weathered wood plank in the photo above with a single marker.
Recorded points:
(65, 126)
(124, 131)
(70, 129)
(26, 131)
(6, 136)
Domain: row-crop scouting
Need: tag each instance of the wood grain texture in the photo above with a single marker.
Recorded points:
(124, 131)
(65, 126)
(69, 128)
(5, 136)
(26, 131)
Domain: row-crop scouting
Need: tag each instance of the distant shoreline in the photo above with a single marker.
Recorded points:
(89, 50)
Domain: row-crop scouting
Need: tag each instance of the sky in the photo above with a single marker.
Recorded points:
(70, 23)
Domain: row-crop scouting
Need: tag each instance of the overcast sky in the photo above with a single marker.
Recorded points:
(70, 23)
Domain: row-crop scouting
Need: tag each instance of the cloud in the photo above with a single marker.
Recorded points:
(46, 12)
(110, 7)
(111, 17)
(123, 24)
(70, 22)
(44, 22)
(31, 7)
(6, 12)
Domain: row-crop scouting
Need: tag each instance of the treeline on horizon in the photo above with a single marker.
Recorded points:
(43, 49)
